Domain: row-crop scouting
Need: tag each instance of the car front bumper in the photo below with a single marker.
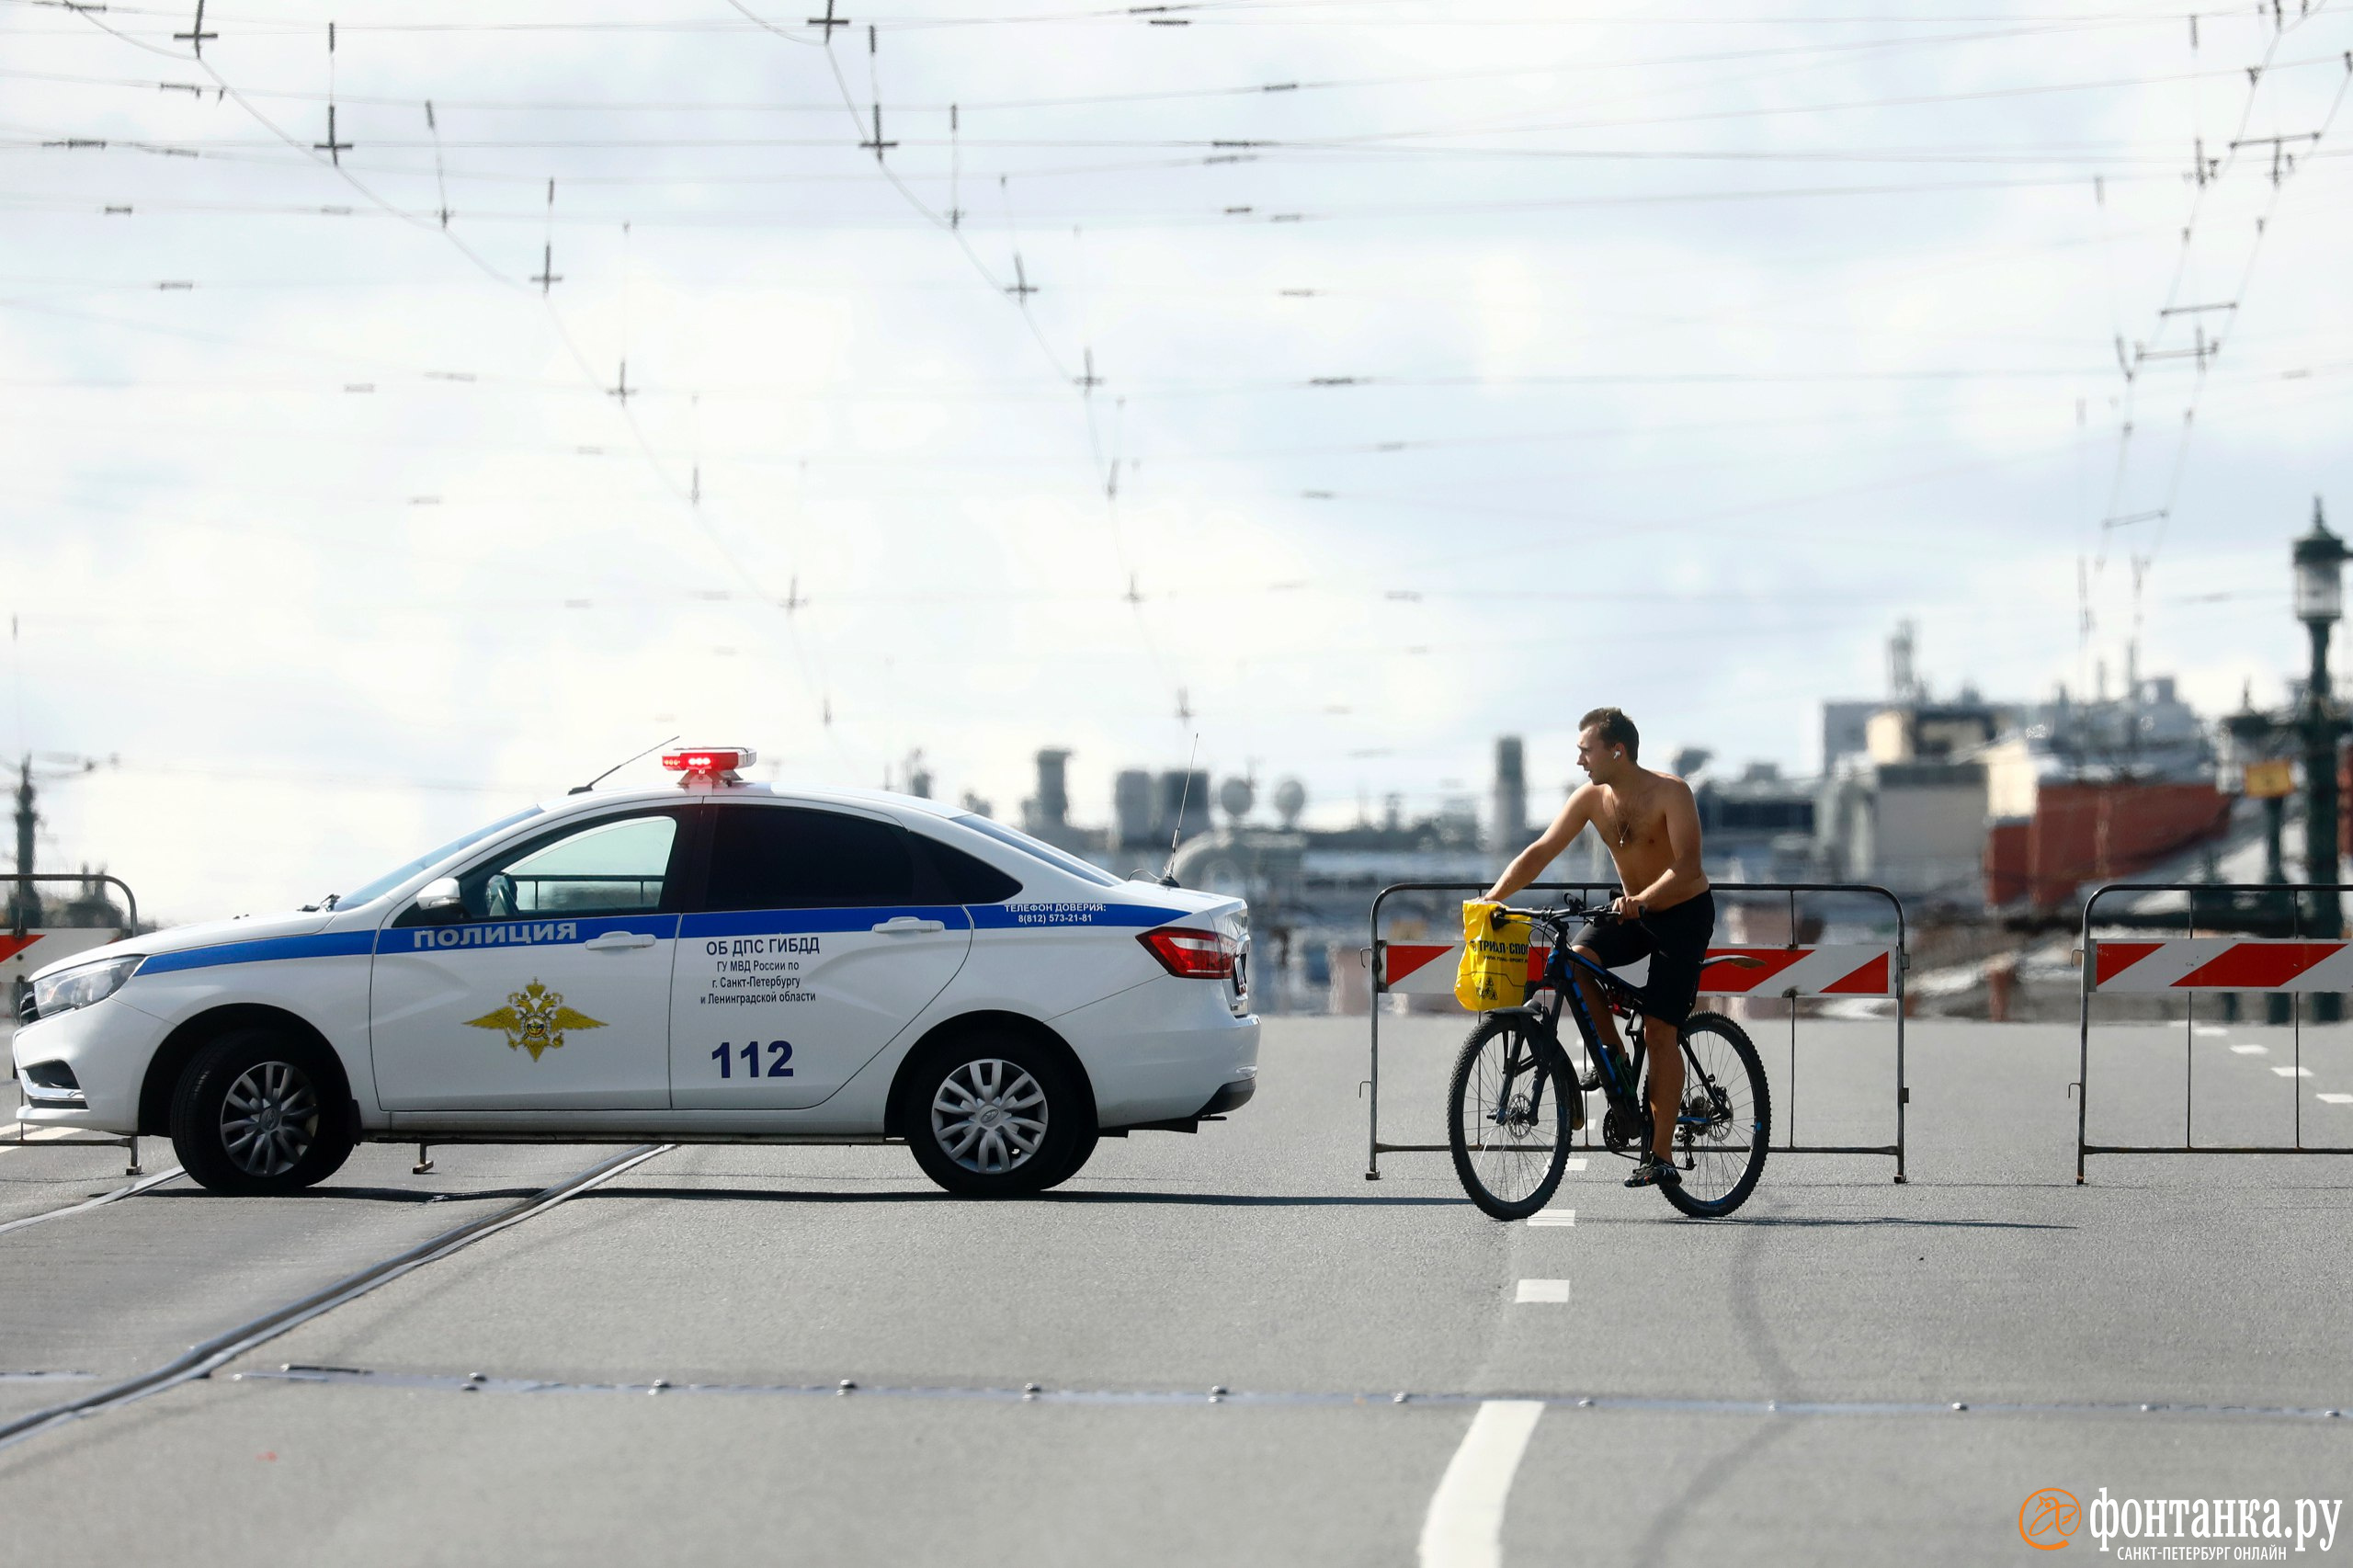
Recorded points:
(106, 1046)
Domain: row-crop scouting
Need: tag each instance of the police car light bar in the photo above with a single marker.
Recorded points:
(718, 761)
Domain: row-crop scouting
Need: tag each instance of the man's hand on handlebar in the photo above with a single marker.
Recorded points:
(1626, 907)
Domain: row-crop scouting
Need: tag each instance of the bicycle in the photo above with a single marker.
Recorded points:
(1510, 1147)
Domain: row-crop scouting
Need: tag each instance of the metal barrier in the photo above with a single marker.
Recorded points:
(1789, 972)
(2184, 965)
(16, 938)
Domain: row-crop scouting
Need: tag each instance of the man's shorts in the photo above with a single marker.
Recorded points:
(1676, 941)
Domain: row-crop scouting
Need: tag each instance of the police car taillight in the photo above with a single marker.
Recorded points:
(709, 762)
(1191, 955)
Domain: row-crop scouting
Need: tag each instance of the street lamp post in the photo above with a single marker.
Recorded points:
(2320, 604)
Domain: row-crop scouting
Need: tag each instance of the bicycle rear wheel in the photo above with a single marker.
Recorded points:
(1507, 1117)
(1726, 1121)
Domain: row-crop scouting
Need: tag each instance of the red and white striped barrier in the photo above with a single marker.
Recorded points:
(2221, 963)
(1426, 969)
(36, 949)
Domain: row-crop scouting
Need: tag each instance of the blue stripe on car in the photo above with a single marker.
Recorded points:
(327, 945)
(457, 938)
(1029, 915)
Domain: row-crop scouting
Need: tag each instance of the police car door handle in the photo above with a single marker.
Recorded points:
(908, 925)
(614, 941)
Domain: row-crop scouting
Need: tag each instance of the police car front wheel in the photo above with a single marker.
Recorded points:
(994, 1114)
(255, 1112)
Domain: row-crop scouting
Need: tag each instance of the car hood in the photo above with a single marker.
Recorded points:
(204, 933)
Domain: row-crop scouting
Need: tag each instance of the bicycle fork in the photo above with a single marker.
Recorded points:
(1511, 1073)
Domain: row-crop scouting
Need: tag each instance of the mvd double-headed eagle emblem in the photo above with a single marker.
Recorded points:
(535, 1019)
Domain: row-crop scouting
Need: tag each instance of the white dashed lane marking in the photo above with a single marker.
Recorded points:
(1576, 1164)
(1464, 1527)
(1554, 1217)
(2251, 1050)
(2293, 1071)
(1550, 1292)
(2335, 1099)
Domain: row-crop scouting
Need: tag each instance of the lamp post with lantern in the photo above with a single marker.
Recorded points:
(2320, 604)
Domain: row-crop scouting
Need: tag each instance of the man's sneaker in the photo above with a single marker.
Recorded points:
(1651, 1171)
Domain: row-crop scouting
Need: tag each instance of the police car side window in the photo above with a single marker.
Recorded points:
(790, 857)
(617, 866)
(951, 876)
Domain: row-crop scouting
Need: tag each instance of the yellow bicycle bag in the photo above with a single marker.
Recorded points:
(1494, 972)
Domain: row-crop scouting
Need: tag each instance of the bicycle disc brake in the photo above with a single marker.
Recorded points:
(1707, 1113)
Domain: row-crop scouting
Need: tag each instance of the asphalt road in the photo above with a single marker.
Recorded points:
(1778, 1388)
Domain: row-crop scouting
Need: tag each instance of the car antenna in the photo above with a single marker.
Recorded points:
(649, 751)
(1168, 872)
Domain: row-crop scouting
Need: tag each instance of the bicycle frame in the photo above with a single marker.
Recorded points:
(1561, 969)
(1560, 978)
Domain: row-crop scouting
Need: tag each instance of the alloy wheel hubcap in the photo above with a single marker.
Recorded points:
(269, 1119)
(989, 1116)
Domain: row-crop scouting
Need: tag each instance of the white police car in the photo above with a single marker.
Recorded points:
(729, 961)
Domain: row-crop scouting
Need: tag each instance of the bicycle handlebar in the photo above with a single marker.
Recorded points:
(1562, 916)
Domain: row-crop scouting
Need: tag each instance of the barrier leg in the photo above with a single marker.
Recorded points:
(1903, 961)
(1372, 1119)
(2188, 1066)
(1902, 1087)
(134, 1169)
(2084, 1051)
(1790, 1111)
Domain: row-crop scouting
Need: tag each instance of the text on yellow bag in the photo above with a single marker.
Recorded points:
(1493, 971)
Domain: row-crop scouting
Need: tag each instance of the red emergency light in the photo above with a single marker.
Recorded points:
(713, 762)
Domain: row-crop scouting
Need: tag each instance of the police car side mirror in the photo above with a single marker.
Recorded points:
(440, 899)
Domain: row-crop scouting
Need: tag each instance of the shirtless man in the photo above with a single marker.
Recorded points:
(1652, 830)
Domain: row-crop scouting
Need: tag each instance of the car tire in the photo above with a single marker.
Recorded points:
(1079, 1155)
(260, 1112)
(992, 1115)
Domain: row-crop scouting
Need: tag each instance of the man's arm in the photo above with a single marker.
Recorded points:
(1682, 877)
(1530, 862)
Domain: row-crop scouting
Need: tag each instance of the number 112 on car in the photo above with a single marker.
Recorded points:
(780, 1055)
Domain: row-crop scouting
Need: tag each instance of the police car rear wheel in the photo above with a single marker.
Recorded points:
(256, 1113)
(993, 1116)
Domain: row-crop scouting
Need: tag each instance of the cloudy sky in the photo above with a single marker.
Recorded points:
(1346, 381)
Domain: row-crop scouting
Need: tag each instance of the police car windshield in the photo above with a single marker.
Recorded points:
(1046, 852)
(400, 874)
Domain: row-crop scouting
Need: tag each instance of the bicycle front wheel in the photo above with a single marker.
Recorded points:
(1507, 1117)
(1726, 1120)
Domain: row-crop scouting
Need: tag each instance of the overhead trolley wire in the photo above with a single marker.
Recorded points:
(1246, 90)
(229, 89)
(1192, 15)
(1018, 294)
(2207, 180)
